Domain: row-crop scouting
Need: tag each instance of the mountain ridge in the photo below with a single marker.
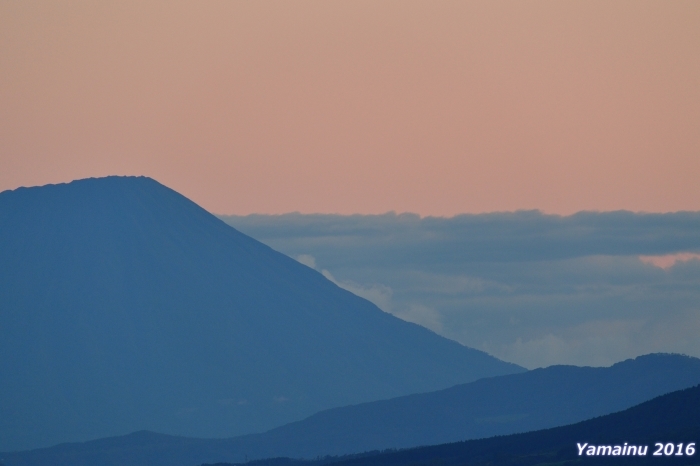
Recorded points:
(642, 378)
(671, 418)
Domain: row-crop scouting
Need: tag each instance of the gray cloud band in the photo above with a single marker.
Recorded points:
(532, 288)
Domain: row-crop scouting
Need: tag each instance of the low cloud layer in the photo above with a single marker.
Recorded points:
(535, 289)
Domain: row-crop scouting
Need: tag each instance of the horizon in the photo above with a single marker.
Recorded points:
(375, 214)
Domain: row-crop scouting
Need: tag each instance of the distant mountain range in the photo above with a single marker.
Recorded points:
(668, 426)
(538, 399)
(541, 398)
(125, 306)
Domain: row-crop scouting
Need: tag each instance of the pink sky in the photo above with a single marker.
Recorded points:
(360, 106)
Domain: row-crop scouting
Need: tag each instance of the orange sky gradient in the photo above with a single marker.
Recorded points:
(347, 107)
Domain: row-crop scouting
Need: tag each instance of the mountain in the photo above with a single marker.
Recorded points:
(668, 420)
(537, 399)
(125, 306)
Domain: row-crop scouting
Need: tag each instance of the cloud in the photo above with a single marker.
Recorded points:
(517, 236)
(598, 342)
(588, 289)
(307, 259)
(669, 260)
(421, 315)
(379, 295)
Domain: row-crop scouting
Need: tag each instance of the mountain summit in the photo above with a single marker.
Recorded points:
(125, 306)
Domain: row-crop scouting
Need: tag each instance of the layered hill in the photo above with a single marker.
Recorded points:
(501, 405)
(538, 399)
(125, 306)
(668, 425)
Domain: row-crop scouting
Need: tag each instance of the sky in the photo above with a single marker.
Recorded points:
(432, 107)
(586, 289)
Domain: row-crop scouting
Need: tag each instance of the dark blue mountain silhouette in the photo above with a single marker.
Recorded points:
(672, 418)
(538, 399)
(125, 306)
(548, 397)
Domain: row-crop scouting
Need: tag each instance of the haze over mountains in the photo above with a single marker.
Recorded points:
(507, 404)
(673, 417)
(537, 399)
(125, 306)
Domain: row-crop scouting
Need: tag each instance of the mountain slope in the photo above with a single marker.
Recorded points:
(541, 398)
(126, 306)
(671, 418)
(538, 399)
